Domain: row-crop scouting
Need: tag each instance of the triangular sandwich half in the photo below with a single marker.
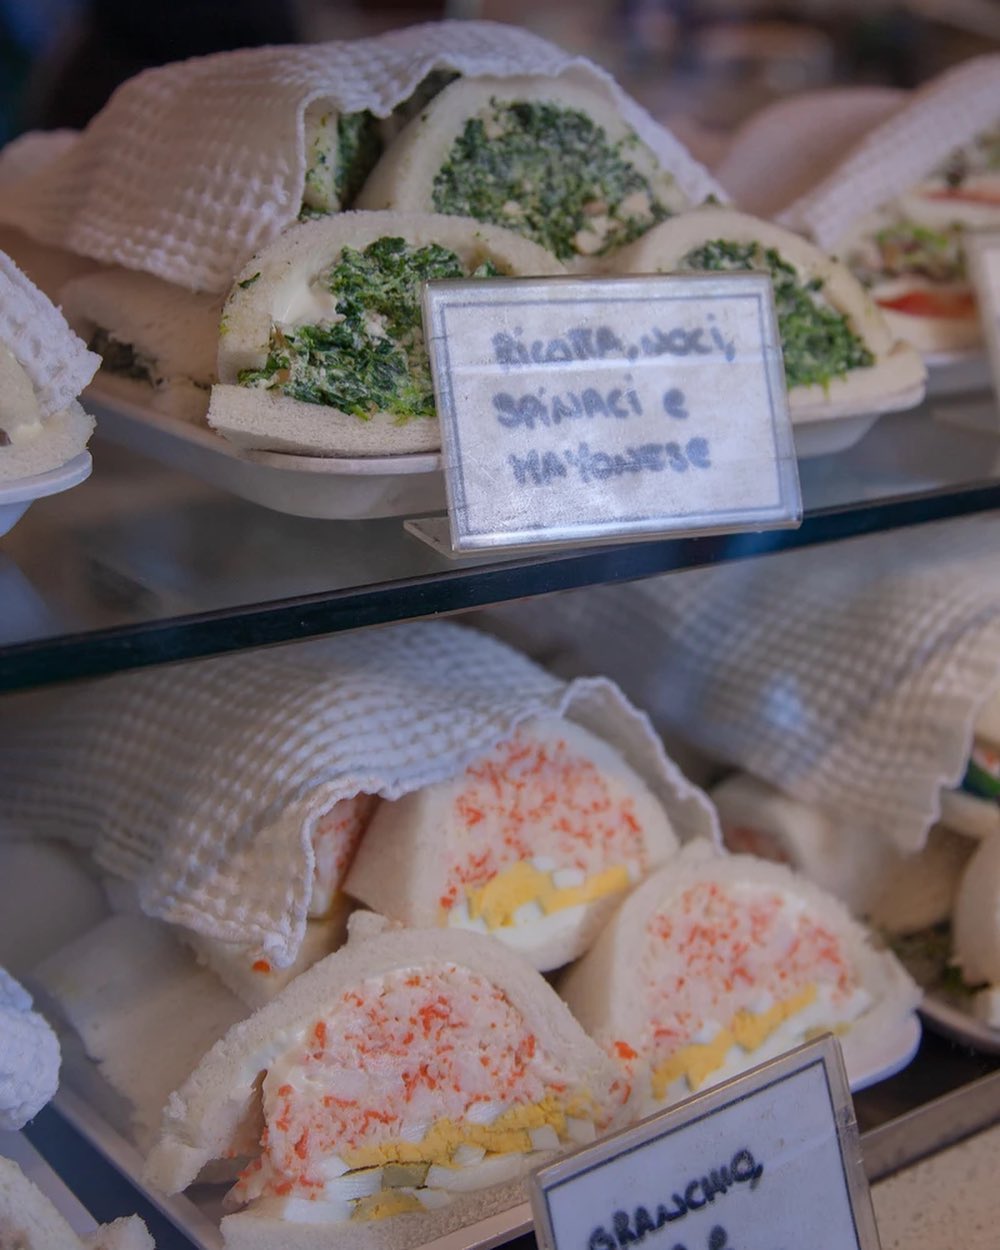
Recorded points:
(718, 963)
(414, 1076)
(535, 843)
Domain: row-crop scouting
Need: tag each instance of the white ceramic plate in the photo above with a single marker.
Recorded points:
(17, 497)
(331, 488)
(198, 1212)
(334, 488)
(944, 1017)
(17, 1147)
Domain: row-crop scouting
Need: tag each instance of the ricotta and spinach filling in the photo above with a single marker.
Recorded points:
(551, 174)
(340, 159)
(122, 358)
(817, 342)
(371, 358)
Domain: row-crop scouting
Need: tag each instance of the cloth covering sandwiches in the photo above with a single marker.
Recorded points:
(840, 355)
(29, 1057)
(43, 367)
(550, 158)
(240, 967)
(414, 1075)
(321, 348)
(715, 964)
(535, 843)
(29, 1221)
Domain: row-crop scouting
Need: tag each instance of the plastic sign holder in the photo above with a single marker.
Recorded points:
(580, 410)
(983, 252)
(767, 1161)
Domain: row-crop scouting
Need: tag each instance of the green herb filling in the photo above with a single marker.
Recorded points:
(551, 174)
(334, 178)
(359, 146)
(373, 359)
(121, 358)
(817, 343)
(906, 248)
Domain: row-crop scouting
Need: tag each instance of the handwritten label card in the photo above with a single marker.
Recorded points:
(984, 262)
(767, 1161)
(584, 409)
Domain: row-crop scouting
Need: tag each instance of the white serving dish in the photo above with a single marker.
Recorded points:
(16, 1146)
(330, 488)
(955, 373)
(334, 488)
(18, 496)
(944, 1017)
(86, 1101)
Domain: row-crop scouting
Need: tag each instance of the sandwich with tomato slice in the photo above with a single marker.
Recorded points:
(911, 252)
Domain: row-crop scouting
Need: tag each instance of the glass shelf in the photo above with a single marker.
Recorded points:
(143, 564)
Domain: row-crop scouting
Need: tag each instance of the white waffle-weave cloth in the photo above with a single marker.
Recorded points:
(849, 677)
(202, 782)
(35, 332)
(193, 167)
(897, 155)
(29, 1056)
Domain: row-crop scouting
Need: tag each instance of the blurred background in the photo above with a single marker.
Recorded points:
(701, 66)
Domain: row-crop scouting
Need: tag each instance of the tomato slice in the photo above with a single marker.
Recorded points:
(931, 303)
(972, 195)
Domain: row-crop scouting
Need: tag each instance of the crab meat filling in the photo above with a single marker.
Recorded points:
(737, 974)
(542, 831)
(419, 1085)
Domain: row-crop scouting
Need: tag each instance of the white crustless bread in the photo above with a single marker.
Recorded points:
(608, 989)
(404, 178)
(407, 857)
(29, 1221)
(894, 892)
(255, 981)
(144, 1010)
(760, 819)
(976, 919)
(895, 381)
(215, 1111)
(172, 332)
(278, 288)
(918, 891)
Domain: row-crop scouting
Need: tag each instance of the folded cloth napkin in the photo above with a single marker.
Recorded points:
(203, 783)
(29, 1056)
(193, 167)
(849, 677)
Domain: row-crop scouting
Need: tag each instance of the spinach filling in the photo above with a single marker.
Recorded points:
(359, 146)
(373, 359)
(551, 174)
(816, 341)
(335, 178)
(121, 358)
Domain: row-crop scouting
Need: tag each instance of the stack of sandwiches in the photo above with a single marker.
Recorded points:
(408, 1080)
(314, 344)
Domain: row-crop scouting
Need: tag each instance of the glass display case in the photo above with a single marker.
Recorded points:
(180, 547)
(145, 566)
